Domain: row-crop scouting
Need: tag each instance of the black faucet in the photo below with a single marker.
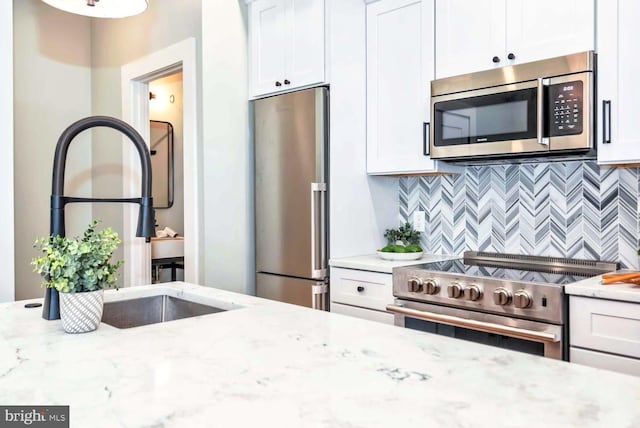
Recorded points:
(51, 309)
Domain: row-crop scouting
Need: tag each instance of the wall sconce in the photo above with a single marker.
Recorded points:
(171, 98)
(101, 8)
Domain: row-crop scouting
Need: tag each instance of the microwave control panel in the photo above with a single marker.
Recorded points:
(565, 100)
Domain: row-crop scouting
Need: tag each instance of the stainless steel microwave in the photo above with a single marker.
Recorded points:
(535, 109)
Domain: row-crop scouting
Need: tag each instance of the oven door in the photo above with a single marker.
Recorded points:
(504, 332)
(502, 120)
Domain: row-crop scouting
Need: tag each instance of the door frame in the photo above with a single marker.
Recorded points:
(7, 251)
(135, 111)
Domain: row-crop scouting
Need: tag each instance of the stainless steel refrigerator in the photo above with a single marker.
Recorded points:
(291, 164)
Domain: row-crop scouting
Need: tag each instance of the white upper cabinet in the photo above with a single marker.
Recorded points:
(287, 45)
(267, 38)
(618, 90)
(470, 36)
(399, 70)
(474, 35)
(305, 59)
(539, 29)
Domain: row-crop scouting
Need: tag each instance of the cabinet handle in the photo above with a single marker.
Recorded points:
(278, 84)
(496, 59)
(425, 139)
(360, 288)
(606, 121)
(286, 82)
(511, 56)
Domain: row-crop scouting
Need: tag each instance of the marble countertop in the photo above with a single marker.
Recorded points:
(593, 287)
(271, 364)
(373, 263)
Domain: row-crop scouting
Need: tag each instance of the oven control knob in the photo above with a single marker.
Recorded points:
(472, 292)
(415, 285)
(454, 290)
(431, 286)
(501, 296)
(522, 299)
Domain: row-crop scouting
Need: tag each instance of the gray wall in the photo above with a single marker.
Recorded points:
(227, 148)
(361, 206)
(7, 259)
(116, 42)
(68, 67)
(52, 86)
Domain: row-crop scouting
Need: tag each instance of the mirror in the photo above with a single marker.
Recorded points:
(161, 147)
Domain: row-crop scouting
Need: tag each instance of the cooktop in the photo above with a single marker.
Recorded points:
(457, 266)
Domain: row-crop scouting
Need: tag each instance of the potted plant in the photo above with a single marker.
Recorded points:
(80, 269)
(402, 244)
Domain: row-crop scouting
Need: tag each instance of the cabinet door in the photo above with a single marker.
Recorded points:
(267, 38)
(548, 28)
(399, 69)
(618, 90)
(605, 325)
(469, 35)
(602, 360)
(305, 42)
(373, 290)
(367, 314)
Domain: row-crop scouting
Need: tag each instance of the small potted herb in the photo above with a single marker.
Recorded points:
(402, 244)
(80, 269)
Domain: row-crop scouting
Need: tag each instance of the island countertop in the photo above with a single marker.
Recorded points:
(271, 364)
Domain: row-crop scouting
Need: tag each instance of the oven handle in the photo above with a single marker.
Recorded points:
(486, 327)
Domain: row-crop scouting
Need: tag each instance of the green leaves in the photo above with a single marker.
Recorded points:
(404, 233)
(73, 265)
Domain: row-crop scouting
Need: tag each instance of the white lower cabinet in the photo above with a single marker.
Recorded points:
(367, 314)
(605, 334)
(602, 360)
(361, 294)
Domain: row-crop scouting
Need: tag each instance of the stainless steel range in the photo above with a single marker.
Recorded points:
(510, 301)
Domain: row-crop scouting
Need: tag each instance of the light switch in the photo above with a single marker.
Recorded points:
(418, 221)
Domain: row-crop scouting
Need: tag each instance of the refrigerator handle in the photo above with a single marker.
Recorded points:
(319, 296)
(318, 244)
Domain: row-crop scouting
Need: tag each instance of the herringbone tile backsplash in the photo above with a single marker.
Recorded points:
(569, 209)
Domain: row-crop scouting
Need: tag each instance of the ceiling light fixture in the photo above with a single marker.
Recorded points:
(101, 8)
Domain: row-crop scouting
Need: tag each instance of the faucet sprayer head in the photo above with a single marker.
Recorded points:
(146, 215)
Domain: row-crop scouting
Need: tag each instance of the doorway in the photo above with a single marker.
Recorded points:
(166, 147)
(167, 66)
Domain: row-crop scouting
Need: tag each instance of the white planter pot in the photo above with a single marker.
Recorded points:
(81, 312)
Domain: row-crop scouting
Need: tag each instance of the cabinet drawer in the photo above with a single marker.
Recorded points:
(600, 360)
(367, 314)
(605, 325)
(371, 290)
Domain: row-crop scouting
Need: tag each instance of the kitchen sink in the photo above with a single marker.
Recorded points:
(152, 310)
(165, 248)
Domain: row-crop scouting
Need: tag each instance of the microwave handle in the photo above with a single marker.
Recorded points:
(425, 139)
(606, 121)
(541, 112)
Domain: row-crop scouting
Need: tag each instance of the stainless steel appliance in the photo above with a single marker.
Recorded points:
(291, 133)
(535, 109)
(509, 301)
